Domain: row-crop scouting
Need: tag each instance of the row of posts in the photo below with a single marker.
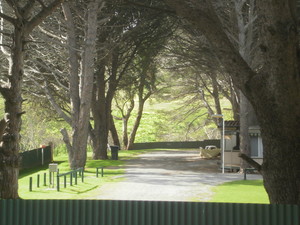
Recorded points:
(73, 176)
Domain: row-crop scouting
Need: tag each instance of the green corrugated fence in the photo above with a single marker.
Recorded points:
(108, 212)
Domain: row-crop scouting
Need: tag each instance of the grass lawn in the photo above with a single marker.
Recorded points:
(242, 191)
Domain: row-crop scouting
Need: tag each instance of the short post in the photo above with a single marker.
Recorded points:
(65, 181)
(50, 178)
(75, 177)
(45, 179)
(57, 181)
(71, 179)
(97, 171)
(82, 175)
(38, 181)
(30, 183)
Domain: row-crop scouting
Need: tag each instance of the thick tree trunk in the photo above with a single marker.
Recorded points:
(23, 21)
(281, 167)
(100, 130)
(9, 151)
(102, 103)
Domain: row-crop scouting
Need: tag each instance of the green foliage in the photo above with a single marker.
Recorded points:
(37, 130)
(242, 191)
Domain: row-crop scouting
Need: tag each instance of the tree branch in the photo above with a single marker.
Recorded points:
(15, 6)
(66, 139)
(28, 8)
(203, 17)
(250, 161)
(8, 18)
(149, 7)
(57, 108)
(37, 19)
(42, 4)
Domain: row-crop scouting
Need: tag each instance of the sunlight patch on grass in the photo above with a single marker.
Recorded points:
(242, 191)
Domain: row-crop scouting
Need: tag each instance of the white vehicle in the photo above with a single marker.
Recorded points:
(210, 147)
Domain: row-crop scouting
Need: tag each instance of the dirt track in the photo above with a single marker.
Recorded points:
(168, 176)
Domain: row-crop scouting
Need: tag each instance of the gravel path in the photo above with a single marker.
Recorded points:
(168, 176)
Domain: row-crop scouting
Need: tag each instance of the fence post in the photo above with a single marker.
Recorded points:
(75, 177)
(45, 179)
(38, 181)
(97, 171)
(65, 181)
(57, 181)
(82, 175)
(71, 179)
(30, 183)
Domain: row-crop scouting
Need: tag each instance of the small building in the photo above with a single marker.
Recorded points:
(232, 161)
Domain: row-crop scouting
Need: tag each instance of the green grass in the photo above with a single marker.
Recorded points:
(242, 191)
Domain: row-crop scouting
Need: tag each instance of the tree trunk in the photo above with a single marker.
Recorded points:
(81, 85)
(142, 100)
(136, 125)
(125, 131)
(100, 131)
(23, 22)
(9, 152)
(102, 103)
(114, 133)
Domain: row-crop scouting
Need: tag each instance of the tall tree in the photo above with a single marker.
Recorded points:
(23, 16)
(145, 88)
(131, 31)
(81, 79)
(273, 87)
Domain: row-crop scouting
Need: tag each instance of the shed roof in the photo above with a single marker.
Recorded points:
(230, 125)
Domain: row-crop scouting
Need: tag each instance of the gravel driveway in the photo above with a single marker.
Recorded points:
(168, 176)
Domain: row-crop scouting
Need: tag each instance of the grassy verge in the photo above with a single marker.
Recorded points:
(242, 191)
(113, 171)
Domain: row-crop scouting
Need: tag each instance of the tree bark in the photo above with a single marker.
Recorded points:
(102, 103)
(99, 111)
(23, 24)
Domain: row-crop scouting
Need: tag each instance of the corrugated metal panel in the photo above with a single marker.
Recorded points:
(94, 212)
